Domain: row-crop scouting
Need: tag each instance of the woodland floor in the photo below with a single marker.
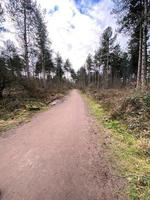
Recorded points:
(58, 155)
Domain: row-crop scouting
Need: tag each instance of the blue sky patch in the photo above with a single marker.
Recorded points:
(52, 11)
(84, 5)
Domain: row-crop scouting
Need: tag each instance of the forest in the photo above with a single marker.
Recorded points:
(115, 80)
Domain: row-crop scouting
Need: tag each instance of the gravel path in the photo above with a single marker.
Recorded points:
(55, 157)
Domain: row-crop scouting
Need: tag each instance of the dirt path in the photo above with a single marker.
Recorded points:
(55, 157)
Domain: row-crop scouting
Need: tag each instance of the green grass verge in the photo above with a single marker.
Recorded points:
(128, 153)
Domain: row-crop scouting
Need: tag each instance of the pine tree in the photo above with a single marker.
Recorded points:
(1, 16)
(89, 67)
(67, 67)
(59, 68)
(21, 12)
(107, 45)
(43, 44)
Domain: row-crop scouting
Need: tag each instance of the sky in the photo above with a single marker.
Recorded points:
(75, 26)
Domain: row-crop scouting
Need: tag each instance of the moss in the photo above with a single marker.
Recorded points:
(131, 160)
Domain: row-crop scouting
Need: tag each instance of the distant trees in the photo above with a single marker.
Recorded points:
(82, 78)
(67, 67)
(12, 60)
(113, 67)
(11, 66)
(89, 67)
(59, 68)
(108, 67)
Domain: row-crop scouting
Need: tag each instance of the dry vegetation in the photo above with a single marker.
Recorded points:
(19, 103)
(128, 106)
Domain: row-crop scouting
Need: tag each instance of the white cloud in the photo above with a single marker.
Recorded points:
(73, 33)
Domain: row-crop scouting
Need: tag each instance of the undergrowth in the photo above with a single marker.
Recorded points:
(18, 111)
(128, 106)
(131, 154)
(19, 107)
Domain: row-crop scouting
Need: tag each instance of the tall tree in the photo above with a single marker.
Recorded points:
(1, 16)
(97, 65)
(21, 12)
(43, 43)
(107, 45)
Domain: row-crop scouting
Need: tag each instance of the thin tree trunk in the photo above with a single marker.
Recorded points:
(26, 42)
(95, 77)
(107, 68)
(138, 85)
(89, 78)
(144, 48)
(43, 71)
(2, 87)
(98, 81)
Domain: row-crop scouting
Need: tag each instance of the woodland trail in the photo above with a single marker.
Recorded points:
(56, 156)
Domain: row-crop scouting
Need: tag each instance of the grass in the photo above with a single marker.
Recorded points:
(130, 154)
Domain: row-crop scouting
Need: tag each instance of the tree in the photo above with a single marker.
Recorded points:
(107, 45)
(135, 15)
(59, 67)
(21, 12)
(73, 74)
(48, 64)
(115, 63)
(43, 43)
(12, 59)
(81, 78)
(11, 66)
(133, 50)
(97, 65)
(125, 68)
(4, 75)
(89, 67)
(67, 67)
(1, 16)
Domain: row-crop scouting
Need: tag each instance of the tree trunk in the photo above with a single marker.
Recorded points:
(89, 78)
(43, 71)
(26, 42)
(98, 78)
(1, 93)
(107, 68)
(124, 78)
(112, 77)
(2, 87)
(144, 48)
(138, 84)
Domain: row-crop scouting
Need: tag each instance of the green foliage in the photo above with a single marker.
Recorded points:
(59, 67)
